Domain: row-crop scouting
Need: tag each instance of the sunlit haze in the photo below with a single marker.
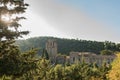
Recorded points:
(83, 19)
(5, 18)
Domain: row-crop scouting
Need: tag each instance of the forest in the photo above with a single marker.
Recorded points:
(67, 45)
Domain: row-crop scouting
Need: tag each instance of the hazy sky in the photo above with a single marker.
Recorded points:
(84, 19)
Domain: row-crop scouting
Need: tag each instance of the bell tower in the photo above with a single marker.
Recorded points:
(51, 47)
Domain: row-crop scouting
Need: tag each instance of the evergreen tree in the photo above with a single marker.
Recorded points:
(9, 18)
(114, 73)
(45, 54)
(12, 63)
(107, 52)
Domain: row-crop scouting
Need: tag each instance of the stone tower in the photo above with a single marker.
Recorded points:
(51, 47)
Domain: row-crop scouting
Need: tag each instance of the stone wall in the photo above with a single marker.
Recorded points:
(89, 57)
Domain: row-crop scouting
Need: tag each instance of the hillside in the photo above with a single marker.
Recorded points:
(67, 45)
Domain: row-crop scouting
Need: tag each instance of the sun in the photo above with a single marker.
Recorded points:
(6, 18)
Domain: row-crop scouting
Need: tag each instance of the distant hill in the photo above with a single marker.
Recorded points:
(67, 45)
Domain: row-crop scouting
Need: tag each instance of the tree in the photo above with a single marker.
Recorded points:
(109, 45)
(104, 70)
(45, 54)
(58, 72)
(106, 52)
(9, 18)
(43, 69)
(114, 73)
(118, 47)
(9, 23)
(12, 63)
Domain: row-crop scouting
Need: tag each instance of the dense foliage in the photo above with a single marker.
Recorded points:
(78, 71)
(67, 45)
(9, 18)
(114, 73)
(12, 62)
(106, 52)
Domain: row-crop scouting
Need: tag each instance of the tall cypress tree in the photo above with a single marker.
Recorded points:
(45, 54)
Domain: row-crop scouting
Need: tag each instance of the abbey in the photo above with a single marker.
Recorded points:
(74, 57)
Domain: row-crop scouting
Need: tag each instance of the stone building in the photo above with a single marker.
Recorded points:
(89, 57)
(61, 59)
(74, 57)
(51, 47)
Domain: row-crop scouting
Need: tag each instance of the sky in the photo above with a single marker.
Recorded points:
(97, 20)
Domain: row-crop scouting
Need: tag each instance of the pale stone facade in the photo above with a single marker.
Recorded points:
(74, 57)
(60, 59)
(51, 47)
(89, 57)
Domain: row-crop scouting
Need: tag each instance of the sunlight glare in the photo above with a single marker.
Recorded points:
(6, 18)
